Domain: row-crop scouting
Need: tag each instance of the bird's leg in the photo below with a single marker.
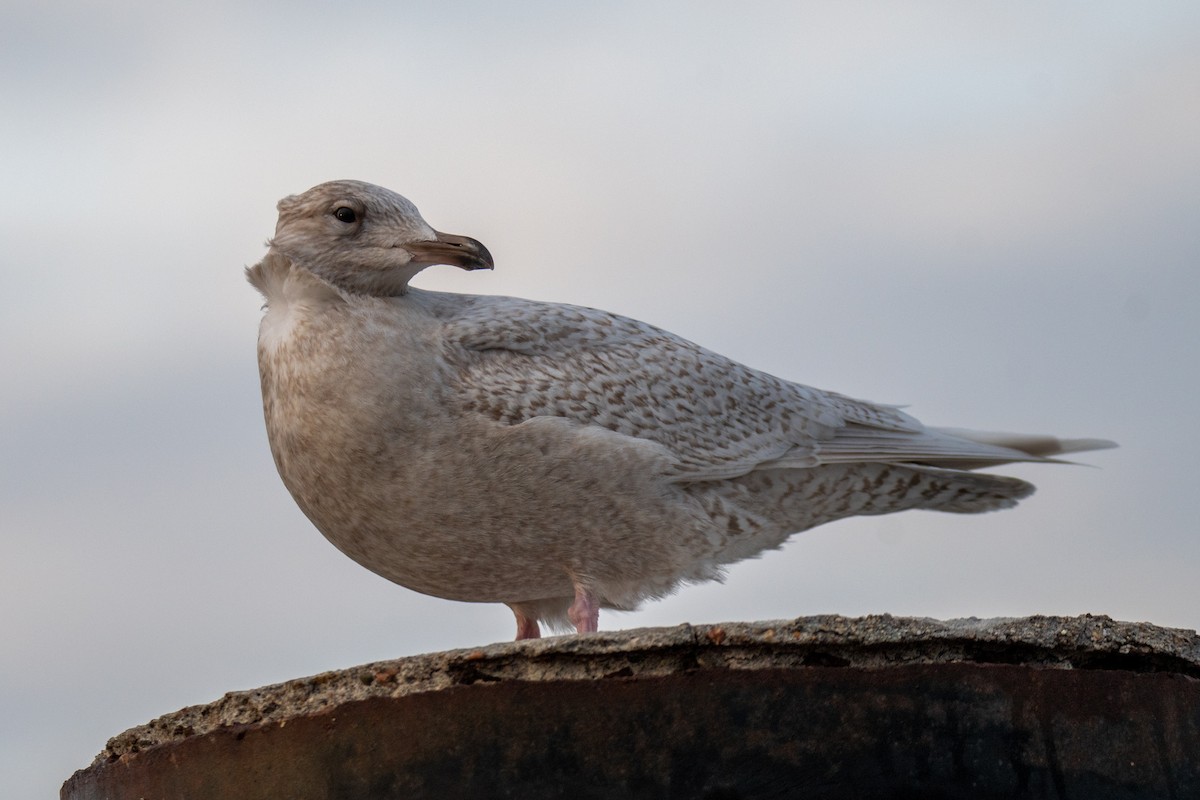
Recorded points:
(527, 626)
(585, 611)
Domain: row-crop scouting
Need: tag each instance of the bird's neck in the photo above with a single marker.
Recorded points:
(282, 281)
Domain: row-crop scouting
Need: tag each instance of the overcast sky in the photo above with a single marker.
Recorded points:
(987, 211)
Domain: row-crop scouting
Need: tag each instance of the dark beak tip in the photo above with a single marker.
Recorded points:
(460, 251)
(484, 255)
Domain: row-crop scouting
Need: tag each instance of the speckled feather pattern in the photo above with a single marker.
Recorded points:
(496, 449)
(717, 417)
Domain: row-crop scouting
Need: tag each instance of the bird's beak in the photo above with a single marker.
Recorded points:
(447, 248)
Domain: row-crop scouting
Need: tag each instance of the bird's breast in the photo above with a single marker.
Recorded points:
(344, 388)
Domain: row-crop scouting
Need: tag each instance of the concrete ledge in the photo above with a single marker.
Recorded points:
(819, 707)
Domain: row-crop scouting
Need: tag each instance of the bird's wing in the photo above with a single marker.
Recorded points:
(520, 359)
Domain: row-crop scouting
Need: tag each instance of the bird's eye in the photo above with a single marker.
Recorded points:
(345, 214)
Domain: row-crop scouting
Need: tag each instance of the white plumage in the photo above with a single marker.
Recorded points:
(552, 457)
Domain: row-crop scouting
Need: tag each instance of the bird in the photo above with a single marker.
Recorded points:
(556, 458)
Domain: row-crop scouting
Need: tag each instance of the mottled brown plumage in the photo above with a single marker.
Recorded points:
(553, 457)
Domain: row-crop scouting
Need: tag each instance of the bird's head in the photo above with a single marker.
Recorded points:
(366, 239)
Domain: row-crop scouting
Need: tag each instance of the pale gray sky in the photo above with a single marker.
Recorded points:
(987, 211)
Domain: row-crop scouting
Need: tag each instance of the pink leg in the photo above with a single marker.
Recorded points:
(585, 611)
(527, 627)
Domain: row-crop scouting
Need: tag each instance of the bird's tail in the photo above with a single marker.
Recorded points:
(1008, 448)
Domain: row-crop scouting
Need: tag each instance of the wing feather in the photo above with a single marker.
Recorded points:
(520, 359)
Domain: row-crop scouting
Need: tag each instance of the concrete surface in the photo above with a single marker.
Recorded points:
(817, 707)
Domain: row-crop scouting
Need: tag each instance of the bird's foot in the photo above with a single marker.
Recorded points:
(527, 626)
(585, 611)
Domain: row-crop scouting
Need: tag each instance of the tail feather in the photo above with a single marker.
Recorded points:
(1030, 444)
(1031, 447)
(950, 448)
(961, 492)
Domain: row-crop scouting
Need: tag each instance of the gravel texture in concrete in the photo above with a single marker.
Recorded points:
(821, 706)
(874, 642)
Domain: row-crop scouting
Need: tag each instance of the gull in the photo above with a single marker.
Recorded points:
(556, 458)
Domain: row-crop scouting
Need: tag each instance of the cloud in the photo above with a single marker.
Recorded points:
(987, 214)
